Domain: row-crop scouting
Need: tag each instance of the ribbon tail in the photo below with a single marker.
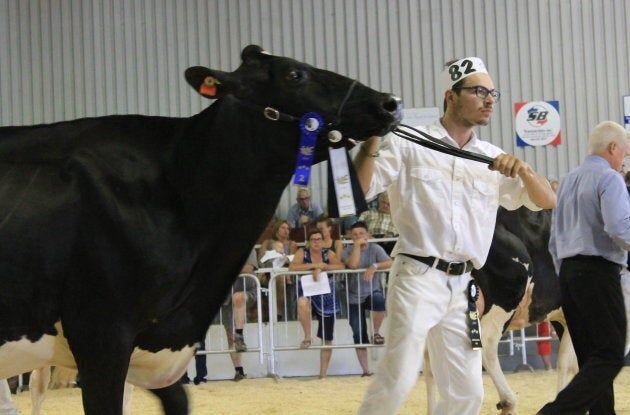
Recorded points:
(357, 192)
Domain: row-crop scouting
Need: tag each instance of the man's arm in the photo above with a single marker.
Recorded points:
(353, 261)
(538, 188)
(615, 207)
(364, 162)
(292, 217)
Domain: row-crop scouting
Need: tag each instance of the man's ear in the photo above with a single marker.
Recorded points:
(612, 146)
(209, 83)
(449, 96)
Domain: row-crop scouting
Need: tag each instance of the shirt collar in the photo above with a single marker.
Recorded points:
(594, 158)
(438, 129)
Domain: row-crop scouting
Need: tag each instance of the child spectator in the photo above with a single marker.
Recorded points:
(365, 290)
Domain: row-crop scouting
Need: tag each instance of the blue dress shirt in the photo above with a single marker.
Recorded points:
(593, 214)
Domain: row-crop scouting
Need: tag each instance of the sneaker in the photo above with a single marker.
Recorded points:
(239, 376)
(378, 339)
(198, 381)
(239, 343)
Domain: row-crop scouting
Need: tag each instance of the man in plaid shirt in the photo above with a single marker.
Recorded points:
(379, 220)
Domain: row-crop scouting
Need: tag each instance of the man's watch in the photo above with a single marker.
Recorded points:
(373, 155)
(375, 265)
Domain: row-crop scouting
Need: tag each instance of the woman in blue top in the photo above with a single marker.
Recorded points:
(317, 259)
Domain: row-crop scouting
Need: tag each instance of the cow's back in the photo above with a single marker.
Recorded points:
(62, 186)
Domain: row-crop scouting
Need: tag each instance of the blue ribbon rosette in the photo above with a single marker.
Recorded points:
(311, 124)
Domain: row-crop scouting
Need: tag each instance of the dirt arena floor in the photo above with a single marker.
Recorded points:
(334, 395)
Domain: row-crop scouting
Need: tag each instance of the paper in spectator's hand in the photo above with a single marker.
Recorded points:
(271, 254)
(311, 287)
(278, 262)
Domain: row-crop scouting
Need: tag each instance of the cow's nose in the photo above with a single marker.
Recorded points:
(393, 105)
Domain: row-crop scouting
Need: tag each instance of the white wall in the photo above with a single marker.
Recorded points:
(64, 59)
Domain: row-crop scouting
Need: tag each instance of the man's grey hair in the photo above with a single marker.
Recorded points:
(605, 133)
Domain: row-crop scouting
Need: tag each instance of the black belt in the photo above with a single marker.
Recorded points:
(450, 268)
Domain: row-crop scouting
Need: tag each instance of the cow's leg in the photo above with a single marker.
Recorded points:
(102, 355)
(62, 377)
(102, 387)
(566, 361)
(491, 331)
(173, 398)
(7, 406)
(127, 399)
(37, 385)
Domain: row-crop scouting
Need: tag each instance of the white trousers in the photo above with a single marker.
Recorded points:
(7, 407)
(426, 306)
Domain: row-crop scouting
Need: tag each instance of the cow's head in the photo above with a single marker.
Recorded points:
(284, 88)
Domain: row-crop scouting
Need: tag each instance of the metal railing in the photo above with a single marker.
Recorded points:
(342, 280)
(258, 347)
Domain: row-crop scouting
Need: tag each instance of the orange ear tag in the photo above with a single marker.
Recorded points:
(209, 86)
(208, 90)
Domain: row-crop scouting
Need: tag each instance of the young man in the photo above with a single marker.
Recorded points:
(590, 236)
(364, 290)
(444, 209)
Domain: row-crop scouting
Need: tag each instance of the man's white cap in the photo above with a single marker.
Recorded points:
(459, 70)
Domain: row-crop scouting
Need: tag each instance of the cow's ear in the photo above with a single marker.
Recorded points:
(210, 84)
(252, 55)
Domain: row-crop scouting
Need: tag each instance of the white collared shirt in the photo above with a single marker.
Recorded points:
(444, 206)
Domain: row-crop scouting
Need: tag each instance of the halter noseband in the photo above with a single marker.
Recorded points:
(273, 114)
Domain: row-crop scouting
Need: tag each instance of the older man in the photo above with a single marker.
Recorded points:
(379, 220)
(304, 211)
(590, 236)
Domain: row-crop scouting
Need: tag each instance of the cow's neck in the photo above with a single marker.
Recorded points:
(230, 164)
(234, 161)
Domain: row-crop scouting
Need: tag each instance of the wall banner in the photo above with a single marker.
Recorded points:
(626, 111)
(537, 123)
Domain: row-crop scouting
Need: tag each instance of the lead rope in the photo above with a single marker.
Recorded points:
(421, 138)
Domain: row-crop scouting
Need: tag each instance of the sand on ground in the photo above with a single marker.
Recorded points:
(331, 396)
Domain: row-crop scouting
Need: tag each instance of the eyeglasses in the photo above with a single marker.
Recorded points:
(483, 92)
(315, 239)
(303, 198)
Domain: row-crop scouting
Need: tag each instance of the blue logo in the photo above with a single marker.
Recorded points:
(537, 116)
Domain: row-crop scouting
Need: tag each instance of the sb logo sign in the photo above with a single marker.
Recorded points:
(537, 116)
(537, 123)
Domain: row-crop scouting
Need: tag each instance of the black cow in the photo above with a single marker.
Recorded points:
(520, 288)
(120, 236)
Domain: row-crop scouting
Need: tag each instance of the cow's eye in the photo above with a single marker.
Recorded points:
(294, 75)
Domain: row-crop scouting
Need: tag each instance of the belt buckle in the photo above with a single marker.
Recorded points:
(455, 268)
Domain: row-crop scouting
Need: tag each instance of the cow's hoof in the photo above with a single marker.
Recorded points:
(506, 408)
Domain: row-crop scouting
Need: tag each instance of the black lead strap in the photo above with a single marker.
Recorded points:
(421, 138)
